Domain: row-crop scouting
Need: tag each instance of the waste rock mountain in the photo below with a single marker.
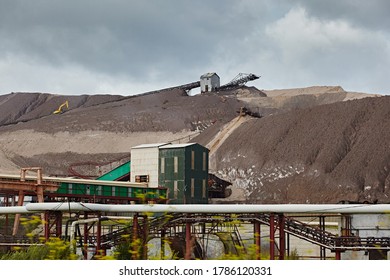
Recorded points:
(310, 145)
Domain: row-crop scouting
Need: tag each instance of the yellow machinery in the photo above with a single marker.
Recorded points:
(60, 109)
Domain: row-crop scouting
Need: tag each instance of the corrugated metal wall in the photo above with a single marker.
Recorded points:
(185, 173)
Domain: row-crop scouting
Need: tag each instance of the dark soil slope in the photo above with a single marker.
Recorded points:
(169, 110)
(322, 154)
(22, 107)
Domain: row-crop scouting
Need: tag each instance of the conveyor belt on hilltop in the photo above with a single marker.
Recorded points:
(240, 80)
(185, 87)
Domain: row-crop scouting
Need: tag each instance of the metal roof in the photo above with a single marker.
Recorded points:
(172, 146)
(208, 75)
(152, 145)
(164, 146)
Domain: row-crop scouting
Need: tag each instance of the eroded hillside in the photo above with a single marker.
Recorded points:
(309, 145)
(321, 154)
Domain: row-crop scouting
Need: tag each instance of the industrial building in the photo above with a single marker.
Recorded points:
(172, 182)
(181, 168)
(209, 82)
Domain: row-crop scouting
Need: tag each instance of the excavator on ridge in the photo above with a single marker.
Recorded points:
(60, 109)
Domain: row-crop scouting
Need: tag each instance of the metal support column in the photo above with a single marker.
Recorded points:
(322, 228)
(188, 252)
(271, 236)
(162, 245)
(337, 250)
(257, 235)
(288, 244)
(135, 237)
(6, 225)
(145, 237)
(46, 225)
(99, 249)
(39, 191)
(17, 216)
(85, 238)
(338, 255)
(282, 236)
(52, 219)
(58, 223)
(346, 225)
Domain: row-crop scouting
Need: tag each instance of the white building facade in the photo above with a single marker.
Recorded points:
(144, 164)
(209, 82)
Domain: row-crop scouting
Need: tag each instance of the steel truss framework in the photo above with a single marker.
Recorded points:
(194, 227)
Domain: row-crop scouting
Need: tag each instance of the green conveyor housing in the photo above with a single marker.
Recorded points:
(113, 190)
(120, 173)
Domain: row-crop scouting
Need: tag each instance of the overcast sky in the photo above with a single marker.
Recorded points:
(127, 47)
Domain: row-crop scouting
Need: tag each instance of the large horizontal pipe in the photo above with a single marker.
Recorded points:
(14, 210)
(213, 208)
(78, 181)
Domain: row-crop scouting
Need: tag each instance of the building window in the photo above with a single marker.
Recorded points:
(162, 164)
(193, 160)
(130, 192)
(192, 187)
(142, 178)
(113, 191)
(175, 190)
(204, 161)
(175, 164)
(204, 189)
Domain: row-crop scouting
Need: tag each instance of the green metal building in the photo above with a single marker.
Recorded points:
(183, 170)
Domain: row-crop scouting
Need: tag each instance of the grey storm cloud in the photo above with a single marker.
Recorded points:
(366, 14)
(127, 47)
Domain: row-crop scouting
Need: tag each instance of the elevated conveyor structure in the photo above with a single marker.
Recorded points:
(15, 189)
(238, 81)
(120, 173)
(185, 87)
(86, 190)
